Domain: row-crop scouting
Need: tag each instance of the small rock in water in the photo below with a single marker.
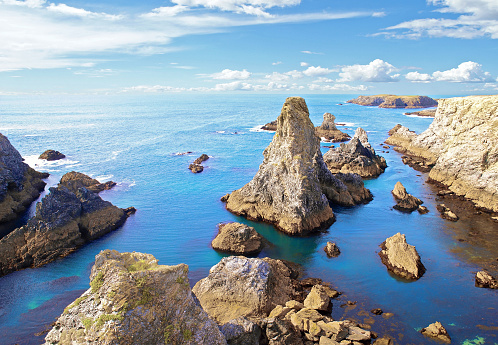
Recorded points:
(376, 311)
(485, 280)
(405, 202)
(52, 155)
(446, 213)
(422, 209)
(196, 168)
(437, 331)
(332, 250)
(401, 258)
(204, 157)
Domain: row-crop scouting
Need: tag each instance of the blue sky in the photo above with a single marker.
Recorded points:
(433, 47)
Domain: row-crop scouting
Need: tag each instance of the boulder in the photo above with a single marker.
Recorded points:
(237, 238)
(329, 131)
(446, 213)
(357, 157)
(75, 180)
(196, 168)
(401, 258)
(20, 185)
(317, 299)
(241, 331)
(332, 250)
(293, 186)
(52, 155)
(437, 331)
(133, 300)
(204, 157)
(63, 221)
(485, 280)
(239, 286)
(405, 202)
(393, 101)
(281, 332)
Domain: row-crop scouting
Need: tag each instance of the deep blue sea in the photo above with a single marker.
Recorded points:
(133, 140)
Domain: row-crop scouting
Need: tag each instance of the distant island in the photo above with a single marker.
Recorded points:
(393, 101)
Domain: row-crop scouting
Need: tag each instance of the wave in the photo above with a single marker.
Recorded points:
(43, 165)
(259, 129)
(345, 124)
(104, 178)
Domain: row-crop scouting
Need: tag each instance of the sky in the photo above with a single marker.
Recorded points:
(433, 47)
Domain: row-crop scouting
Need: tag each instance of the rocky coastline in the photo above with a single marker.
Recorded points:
(393, 101)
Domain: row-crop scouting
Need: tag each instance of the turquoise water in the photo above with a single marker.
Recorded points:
(133, 140)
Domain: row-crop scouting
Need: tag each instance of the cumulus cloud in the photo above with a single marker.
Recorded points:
(279, 77)
(416, 77)
(252, 7)
(313, 71)
(304, 64)
(231, 74)
(376, 71)
(466, 72)
(336, 87)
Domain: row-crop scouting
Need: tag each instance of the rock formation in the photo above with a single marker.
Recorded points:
(446, 213)
(241, 331)
(239, 286)
(401, 258)
(405, 202)
(52, 155)
(329, 131)
(423, 113)
(133, 300)
(437, 331)
(196, 166)
(293, 186)
(485, 280)
(393, 101)
(332, 250)
(75, 180)
(20, 185)
(357, 157)
(202, 158)
(270, 126)
(460, 146)
(64, 220)
(236, 238)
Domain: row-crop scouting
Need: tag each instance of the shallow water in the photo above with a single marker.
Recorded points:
(133, 141)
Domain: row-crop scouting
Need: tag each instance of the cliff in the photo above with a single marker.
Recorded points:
(393, 101)
(293, 186)
(64, 220)
(19, 184)
(133, 300)
(461, 147)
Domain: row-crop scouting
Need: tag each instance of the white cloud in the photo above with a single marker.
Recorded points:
(26, 3)
(310, 52)
(233, 86)
(79, 12)
(466, 72)
(376, 71)
(304, 64)
(336, 87)
(313, 71)
(276, 63)
(231, 74)
(324, 80)
(168, 11)
(416, 77)
(278, 77)
(237, 5)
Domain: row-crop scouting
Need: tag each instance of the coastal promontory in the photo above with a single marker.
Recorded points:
(393, 101)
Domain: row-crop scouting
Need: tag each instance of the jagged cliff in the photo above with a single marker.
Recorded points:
(293, 186)
(461, 146)
(393, 101)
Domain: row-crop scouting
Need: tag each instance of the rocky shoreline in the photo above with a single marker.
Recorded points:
(393, 101)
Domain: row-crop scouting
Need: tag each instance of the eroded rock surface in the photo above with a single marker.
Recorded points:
(133, 300)
(357, 157)
(52, 155)
(393, 101)
(405, 202)
(237, 238)
(401, 258)
(329, 131)
(293, 186)
(75, 180)
(437, 331)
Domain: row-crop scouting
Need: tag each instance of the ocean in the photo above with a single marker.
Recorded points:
(135, 140)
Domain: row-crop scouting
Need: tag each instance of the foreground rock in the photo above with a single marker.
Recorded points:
(393, 101)
(405, 202)
(357, 157)
(133, 300)
(485, 280)
(20, 185)
(401, 258)
(332, 250)
(437, 331)
(329, 131)
(293, 186)
(237, 238)
(75, 180)
(64, 220)
(52, 155)
(459, 147)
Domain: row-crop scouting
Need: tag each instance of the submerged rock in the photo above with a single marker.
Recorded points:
(20, 185)
(356, 157)
(293, 186)
(393, 101)
(446, 213)
(405, 202)
(329, 131)
(401, 258)
(485, 280)
(133, 300)
(237, 238)
(52, 155)
(437, 331)
(332, 250)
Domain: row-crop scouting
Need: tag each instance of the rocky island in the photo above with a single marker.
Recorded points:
(52, 155)
(393, 101)
(293, 186)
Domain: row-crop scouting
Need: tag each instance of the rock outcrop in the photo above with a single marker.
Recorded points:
(423, 113)
(20, 185)
(329, 131)
(357, 157)
(437, 331)
(249, 287)
(332, 250)
(293, 186)
(446, 213)
(270, 126)
(75, 180)
(237, 238)
(52, 155)
(401, 258)
(196, 166)
(460, 146)
(393, 101)
(64, 220)
(405, 202)
(133, 300)
(485, 280)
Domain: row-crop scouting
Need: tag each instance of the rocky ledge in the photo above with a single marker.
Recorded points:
(65, 219)
(423, 113)
(357, 157)
(237, 238)
(393, 101)
(329, 131)
(20, 185)
(401, 258)
(133, 300)
(459, 148)
(293, 186)
(52, 155)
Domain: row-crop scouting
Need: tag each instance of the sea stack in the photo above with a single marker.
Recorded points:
(401, 258)
(293, 186)
(329, 131)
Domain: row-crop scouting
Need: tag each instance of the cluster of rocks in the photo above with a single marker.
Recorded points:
(485, 280)
(357, 157)
(69, 216)
(393, 101)
(293, 186)
(196, 166)
(401, 258)
(237, 238)
(446, 213)
(20, 185)
(52, 155)
(405, 201)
